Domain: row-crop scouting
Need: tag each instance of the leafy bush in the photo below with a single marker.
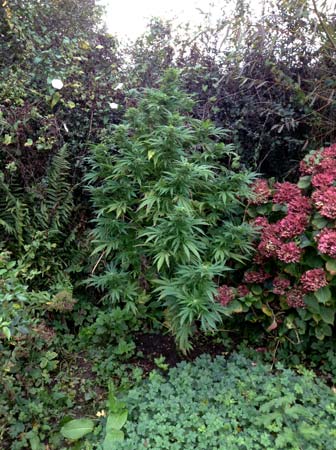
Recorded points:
(230, 404)
(292, 282)
(267, 77)
(169, 217)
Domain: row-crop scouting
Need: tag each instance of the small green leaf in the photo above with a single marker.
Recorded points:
(55, 99)
(8, 139)
(312, 303)
(6, 331)
(267, 310)
(256, 290)
(234, 307)
(331, 266)
(77, 428)
(319, 222)
(304, 182)
(29, 143)
(327, 314)
(34, 441)
(150, 154)
(323, 295)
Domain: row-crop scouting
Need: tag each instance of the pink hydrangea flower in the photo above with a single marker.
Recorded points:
(292, 225)
(225, 294)
(289, 252)
(299, 205)
(326, 242)
(286, 192)
(324, 180)
(329, 152)
(255, 276)
(242, 290)
(280, 285)
(325, 202)
(294, 298)
(314, 279)
(309, 164)
(260, 221)
(261, 191)
(269, 242)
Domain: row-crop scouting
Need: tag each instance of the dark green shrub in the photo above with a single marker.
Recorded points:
(169, 218)
(230, 404)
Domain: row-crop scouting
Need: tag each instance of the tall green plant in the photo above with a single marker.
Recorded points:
(169, 218)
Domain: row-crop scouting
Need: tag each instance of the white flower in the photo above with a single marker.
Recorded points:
(119, 86)
(113, 105)
(65, 127)
(57, 83)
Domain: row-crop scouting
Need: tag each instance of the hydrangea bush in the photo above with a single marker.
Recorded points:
(291, 284)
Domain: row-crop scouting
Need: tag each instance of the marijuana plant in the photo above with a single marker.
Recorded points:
(169, 212)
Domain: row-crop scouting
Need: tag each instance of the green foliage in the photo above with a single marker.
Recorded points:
(169, 217)
(45, 130)
(230, 404)
(37, 223)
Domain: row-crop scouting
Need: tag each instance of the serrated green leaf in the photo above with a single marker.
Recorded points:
(77, 428)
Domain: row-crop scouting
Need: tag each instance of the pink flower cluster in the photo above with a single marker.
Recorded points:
(280, 285)
(292, 225)
(283, 240)
(322, 166)
(242, 290)
(225, 294)
(326, 242)
(271, 244)
(255, 276)
(285, 193)
(325, 201)
(274, 237)
(294, 298)
(314, 279)
(262, 192)
(320, 161)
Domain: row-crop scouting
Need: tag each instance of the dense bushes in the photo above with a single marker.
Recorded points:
(268, 78)
(233, 404)
(169, 216)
